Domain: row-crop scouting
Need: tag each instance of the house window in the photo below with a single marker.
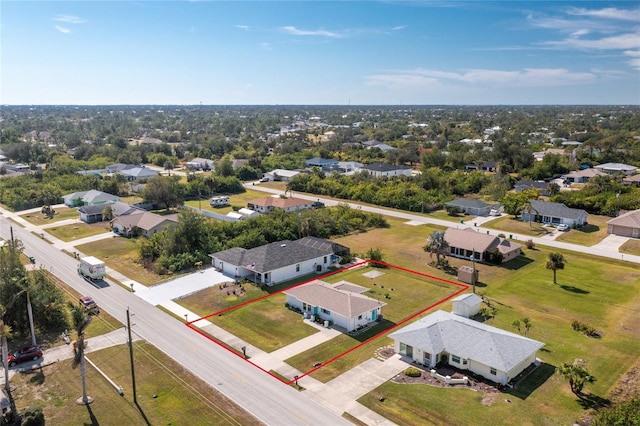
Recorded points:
(359, 317)
(304, 306)
(324, 311)
(298, 267)
(464, 362)
(455, 358)
(493, 371)
(427, 356)
(325, 259)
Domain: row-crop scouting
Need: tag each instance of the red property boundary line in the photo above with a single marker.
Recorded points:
(463, 287)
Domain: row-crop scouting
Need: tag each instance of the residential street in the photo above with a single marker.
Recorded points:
(260, 394)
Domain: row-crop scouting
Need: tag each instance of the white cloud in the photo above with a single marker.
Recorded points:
(527, 77)
(580, 33)
(265, 45)
(398, 28)
(70, 19)
(243, 27)
(617, 42)
(62, 29)
(321, 33)
(608, 13)
(635, 58)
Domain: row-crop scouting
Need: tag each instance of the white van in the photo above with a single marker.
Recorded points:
(219, 201)
(494, 212)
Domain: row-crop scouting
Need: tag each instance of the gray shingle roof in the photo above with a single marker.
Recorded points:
(383, 167)
(544, 208)
(443, 331)
(630, 219)
(272, 256)
(468, 203)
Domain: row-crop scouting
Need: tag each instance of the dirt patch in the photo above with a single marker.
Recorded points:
(628, 386)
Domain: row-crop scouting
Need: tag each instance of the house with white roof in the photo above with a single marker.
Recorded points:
(142, 222)
(490, 352)
(582, 176)
(139, 173)
(471, 206)
(466, 305)
(83, 198)
(342, 304)
(282, 175)
(200, 164)
(613, 168)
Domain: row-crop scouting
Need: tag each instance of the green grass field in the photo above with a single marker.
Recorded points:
(78, 230)
(631, 247)
(121, 254)
(239, 200)
(62, 213)
(588, 235)
(167, 393)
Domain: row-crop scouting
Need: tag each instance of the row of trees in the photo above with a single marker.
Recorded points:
(195, 237)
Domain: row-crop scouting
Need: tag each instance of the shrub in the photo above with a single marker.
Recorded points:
(412, 372)
(529, 244)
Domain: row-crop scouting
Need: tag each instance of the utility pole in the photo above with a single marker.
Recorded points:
(133, 373)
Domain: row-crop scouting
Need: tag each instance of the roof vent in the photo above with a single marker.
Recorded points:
(283, 245)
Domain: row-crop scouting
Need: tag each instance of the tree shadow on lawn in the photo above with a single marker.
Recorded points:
(517, 263)
(532, 381)
(370, 332)
(574, 289)
(37, 376)
(590, 400)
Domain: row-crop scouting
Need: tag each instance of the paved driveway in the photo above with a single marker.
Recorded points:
(182, 286)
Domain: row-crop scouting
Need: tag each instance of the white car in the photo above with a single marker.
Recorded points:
(563, 227)
(494, 212)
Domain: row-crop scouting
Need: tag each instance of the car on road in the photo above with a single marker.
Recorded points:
(317, 204)
(28, 353)
(563, 227)
(90, 306)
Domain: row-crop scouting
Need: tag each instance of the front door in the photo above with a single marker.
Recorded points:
(373, 315)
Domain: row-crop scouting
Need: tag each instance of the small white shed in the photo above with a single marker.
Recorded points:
(466, 305)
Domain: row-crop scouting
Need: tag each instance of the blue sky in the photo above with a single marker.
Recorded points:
(306, 52)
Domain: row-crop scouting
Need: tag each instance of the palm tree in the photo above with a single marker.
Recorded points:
(577, 376)
(528, 209)
(556, 261)
(436, 244)
(81, 321)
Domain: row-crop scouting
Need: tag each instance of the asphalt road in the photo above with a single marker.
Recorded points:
(263, 396)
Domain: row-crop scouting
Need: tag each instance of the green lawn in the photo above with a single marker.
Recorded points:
(168, 394)
(121, 254)
(77, 231)
(589, 234)
(266, 324)
(238, 200)
(62, 213)
(603, 293)
(631, 247)
(507, 224)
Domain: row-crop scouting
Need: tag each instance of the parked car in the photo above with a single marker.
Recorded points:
(90, 305)
(28, 353)
(317, 204)
(494, 212)
(563, 227)
(264, 179)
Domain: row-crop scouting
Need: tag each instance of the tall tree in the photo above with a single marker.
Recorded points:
(556, 261)
(436, 244)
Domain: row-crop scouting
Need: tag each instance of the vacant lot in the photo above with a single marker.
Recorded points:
(78, 230)
(236, 200)
(121, 254)
(508, 224)
(588, 235)
(167, 393)
(62, 213)
(631, 247)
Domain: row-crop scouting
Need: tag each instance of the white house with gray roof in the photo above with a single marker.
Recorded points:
(555, 214)
(613, 168)
(385, 170)
(343, 303)
(490, 352)
(470, 206)
(280, 261)
(84, 198)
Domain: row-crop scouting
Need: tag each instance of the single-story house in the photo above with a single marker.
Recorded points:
(276, 262)
(268, 204)
(490, 352)
(485, 166)
(382, 147)
(555, 214)
(540, 185)
(139, 173)
(84, 198)
(200, 164)
(386, 170)
(631, 180)
(282, 175)
(470, 244)
(349, 166)
(322, 163)
(248, 213)
(612, 168)
(581, 176)
(625, 225)
(118, 167)
(466, 305)
(342, 304)
(470, 206)
(147, 223)
(93, 213)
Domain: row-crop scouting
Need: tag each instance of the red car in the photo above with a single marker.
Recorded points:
(29, 353)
